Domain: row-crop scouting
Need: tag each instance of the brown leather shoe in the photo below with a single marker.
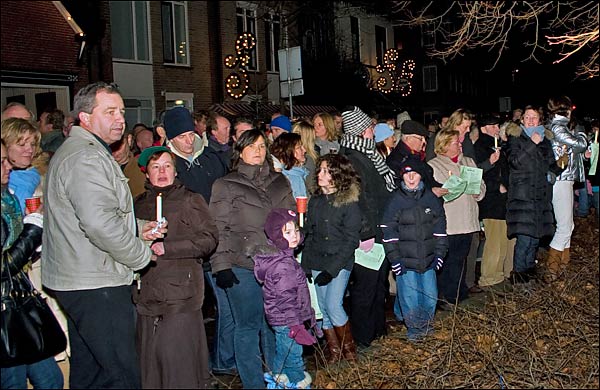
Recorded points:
(475, 289)
(553, 263)
(344, 335)
(334, 351)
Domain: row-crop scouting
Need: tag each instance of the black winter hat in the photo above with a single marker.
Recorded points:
(487, 120)
(178, 120)
(412, 165)
(413, 127)
(276, 220)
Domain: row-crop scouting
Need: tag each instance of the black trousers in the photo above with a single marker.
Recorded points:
(451, 281)
(102, 334)
(367, 302)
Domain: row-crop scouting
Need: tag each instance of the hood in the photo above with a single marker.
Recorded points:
(199, 144)
(266, 257)
(346, 197)
(514, 130)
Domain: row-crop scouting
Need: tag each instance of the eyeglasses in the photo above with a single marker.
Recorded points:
(420, 137)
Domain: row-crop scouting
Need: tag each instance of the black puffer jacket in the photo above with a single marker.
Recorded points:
(493, 206)
(240, 203)
(529, 207)
(414, 229)
(373, 193)
(332, 231)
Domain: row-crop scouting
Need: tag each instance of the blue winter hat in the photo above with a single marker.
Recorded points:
(283, 122)
(178, 120)
(382, 132)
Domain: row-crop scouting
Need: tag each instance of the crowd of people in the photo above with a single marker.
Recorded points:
(141, 224)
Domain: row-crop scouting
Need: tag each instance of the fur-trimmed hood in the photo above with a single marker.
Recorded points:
(514, 130)
(346, 197)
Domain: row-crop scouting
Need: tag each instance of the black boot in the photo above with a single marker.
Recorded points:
(519, 277)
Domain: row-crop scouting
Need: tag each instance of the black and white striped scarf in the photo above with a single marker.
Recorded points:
(367, 147)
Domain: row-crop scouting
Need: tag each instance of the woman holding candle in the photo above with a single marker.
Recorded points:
(462, 215)
(170, 335)
(569, 147)
(532, 170)
(239, 204)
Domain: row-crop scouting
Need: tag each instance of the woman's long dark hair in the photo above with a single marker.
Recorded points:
(342, 172)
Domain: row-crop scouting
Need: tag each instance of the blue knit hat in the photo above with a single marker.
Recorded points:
(382, 132)
(178, 120)
(283, 122)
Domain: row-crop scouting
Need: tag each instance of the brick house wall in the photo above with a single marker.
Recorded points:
(35, 37)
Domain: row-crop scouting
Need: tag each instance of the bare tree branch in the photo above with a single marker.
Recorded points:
(461, 26)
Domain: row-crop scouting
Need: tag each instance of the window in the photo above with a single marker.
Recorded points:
(272, 40)
(380, 43)
(430, 83)
(129, 30)
(175, 32)
(246, 22)
(183, 99)
(427, 39)
(355, 34)
(139, 110)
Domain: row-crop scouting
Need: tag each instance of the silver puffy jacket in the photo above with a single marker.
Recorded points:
(566, 141)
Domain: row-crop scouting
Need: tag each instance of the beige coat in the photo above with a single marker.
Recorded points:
(462, 214)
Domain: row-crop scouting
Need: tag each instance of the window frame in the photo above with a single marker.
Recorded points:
(134, 29)
(355, 39)
(380, 49)
(272, 57)
(249, 7)
(173, 35)
(427, 74)
(139, 108)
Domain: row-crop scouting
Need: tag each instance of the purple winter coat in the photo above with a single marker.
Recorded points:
(286, 296)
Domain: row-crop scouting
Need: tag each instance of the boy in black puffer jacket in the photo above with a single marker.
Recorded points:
(415, 242)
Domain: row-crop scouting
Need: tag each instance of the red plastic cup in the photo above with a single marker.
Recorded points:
(32, 204)
(301, 204)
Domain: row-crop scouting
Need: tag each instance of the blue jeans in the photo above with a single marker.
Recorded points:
(331, 297)
(288, 355)
(583, 202)
(222, 355)
(417, 297)
(251, 329)
(44, 374)
(525, 250)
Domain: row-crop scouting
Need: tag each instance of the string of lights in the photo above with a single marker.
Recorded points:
(392, 80)
(236, 84)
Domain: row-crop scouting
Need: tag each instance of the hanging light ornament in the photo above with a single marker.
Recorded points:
(391, 81)
(236, 84)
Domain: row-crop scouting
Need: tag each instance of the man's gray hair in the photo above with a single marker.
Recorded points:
(85, 99)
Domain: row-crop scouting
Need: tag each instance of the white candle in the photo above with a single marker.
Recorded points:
(449, 173)
(495, 142)
(159, 207)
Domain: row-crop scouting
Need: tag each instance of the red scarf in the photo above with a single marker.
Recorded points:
(455, 159)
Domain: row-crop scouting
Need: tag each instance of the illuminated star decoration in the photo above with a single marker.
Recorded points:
(236, 83)
(394, 78)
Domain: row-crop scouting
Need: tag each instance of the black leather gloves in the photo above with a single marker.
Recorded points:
(226, 279)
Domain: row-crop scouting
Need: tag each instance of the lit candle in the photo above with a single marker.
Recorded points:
(159, 207)
(449, 173)
(495, 142)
